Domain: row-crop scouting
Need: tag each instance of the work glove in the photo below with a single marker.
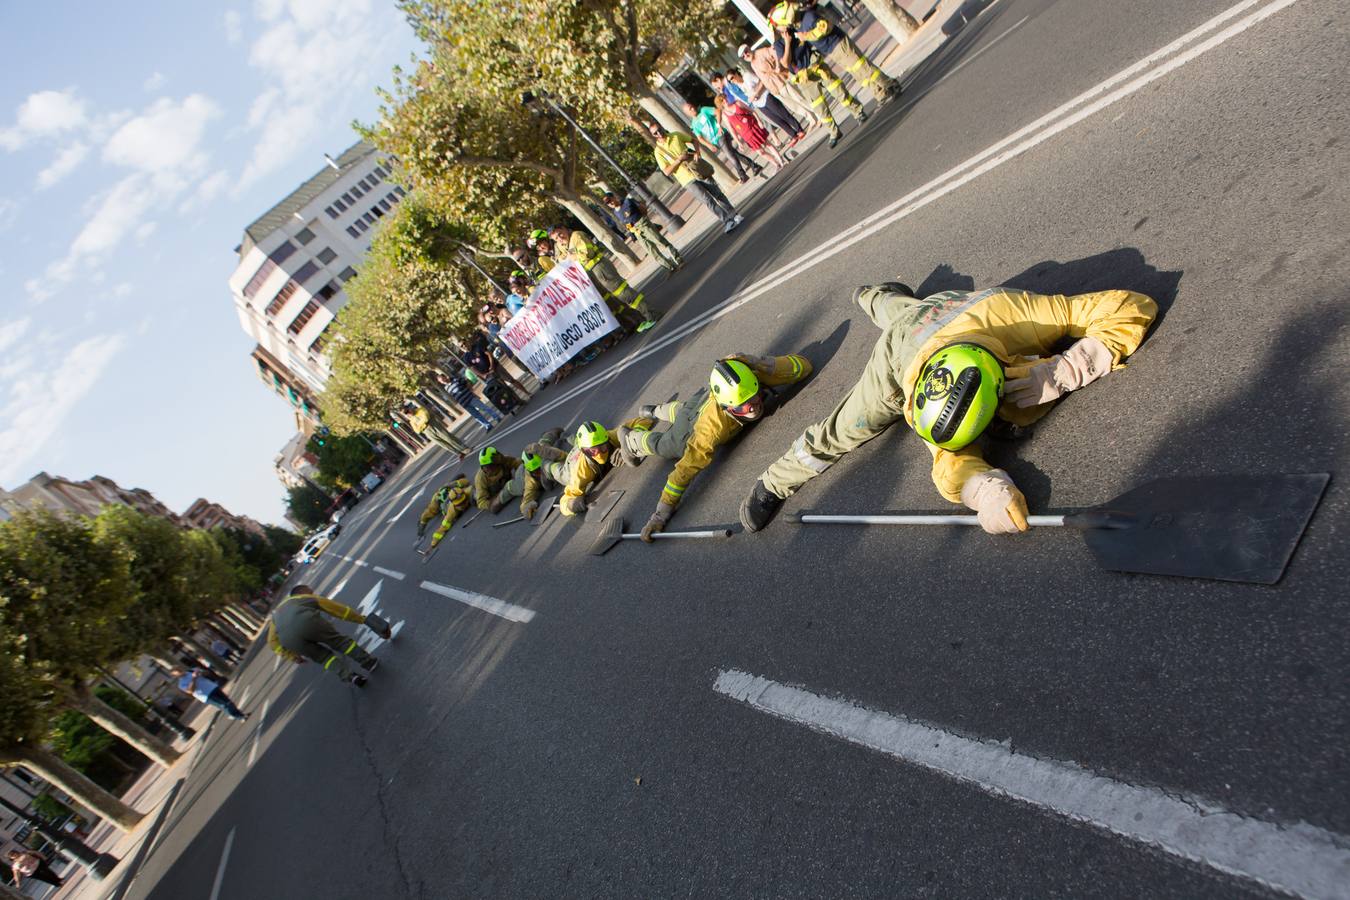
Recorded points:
(379, 626)
(529, 509)
(497, 505)
(1000, 506)
(576, 505)
(1051, 378)
(657, 523)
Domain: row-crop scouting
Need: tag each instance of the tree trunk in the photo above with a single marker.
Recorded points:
(85, 792)
(113, 721)
(596, 227)
(892, 16)
(248, 615)
(215, 662)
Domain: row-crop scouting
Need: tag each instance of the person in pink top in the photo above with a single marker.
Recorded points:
(740, 120)
(774, 76)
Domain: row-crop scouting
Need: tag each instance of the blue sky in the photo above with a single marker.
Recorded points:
(137, 141)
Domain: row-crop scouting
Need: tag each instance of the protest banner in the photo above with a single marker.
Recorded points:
(563, 315)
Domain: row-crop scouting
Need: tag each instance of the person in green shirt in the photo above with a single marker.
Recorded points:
(678, 155)
(704, 124)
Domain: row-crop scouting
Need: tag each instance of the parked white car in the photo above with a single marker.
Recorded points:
(317, 543)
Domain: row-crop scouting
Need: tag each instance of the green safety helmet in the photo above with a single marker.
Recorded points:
(591, 434)
(533, 461)
(488, 456)
(957, 395)
(538, 234)
(783, 14)
(733, 382)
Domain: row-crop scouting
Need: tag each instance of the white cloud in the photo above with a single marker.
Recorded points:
(122, 290)
(10, 332)
(41, 394)
(44, 114)
(154, 82)
(9, 212)
(164, 137)
(63, 165)
(234, 26)
(144, 231)
(210, 187)
(295, 53)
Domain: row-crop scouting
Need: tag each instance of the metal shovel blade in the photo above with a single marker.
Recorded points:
(602, 507)
(1240, 528)
(542, 515)
(608, 535)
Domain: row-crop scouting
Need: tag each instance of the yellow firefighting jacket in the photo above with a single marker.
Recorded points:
(485, 488)
(714, 426)
(331, 607)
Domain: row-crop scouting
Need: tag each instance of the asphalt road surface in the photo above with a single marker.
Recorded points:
(882, 712)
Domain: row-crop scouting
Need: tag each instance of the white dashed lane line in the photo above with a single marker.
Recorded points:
(508, 611)
(1297, 859)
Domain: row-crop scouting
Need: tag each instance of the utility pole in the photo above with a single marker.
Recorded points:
(644, 193)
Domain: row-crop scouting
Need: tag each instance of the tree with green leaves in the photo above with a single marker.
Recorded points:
(481, 159)
(307, 505)
(343, 459)
(26, 706)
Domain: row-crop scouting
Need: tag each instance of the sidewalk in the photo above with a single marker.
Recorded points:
(148, 795)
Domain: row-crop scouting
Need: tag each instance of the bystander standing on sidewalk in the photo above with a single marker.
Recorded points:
(775, 77)
(678, 156)
(739, 119)
(746, 88)
(225, 651)
(633, 214)
(420, 418)
(703, 123)
(460, 391)
(31, 864)
(521, 288)
(204, 690)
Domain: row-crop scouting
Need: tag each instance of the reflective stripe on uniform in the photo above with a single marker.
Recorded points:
(805, 458)
(646, 442)
(350, 648)
(635, 303)
(329, 663)
(674, 490)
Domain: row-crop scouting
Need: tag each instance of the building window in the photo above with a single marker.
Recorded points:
(384, 205)
(304, 236)
(365, 185)
(342, 207)
(347, 199)
(376, 176)
(377, 212)
(398, 190)
(332, 213)
(301, 320)
(287, 291)
(269, 265)
(347, 274)
(368, 219)
(316, 346)
(327, 291)
(305, 272)
(362, 226)
(326, 255)
(351, 229)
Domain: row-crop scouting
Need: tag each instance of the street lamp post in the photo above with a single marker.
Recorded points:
(98, 865)
(644, 193)
(468, 258)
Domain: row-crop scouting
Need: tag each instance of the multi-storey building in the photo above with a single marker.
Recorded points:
(295, 260)
(206, 515)
(295, 465)
(80, 498)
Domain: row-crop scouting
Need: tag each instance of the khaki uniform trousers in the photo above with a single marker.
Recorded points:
(814, 81)
(660, 249)
(847, 59)
(617, 291)
(670, 442)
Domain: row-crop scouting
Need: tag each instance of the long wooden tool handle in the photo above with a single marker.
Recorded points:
(813, 519)
(671, 535)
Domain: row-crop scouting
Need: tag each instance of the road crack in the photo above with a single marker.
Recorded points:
(386, 822)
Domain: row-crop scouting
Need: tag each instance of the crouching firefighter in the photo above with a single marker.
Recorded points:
(298, 630)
